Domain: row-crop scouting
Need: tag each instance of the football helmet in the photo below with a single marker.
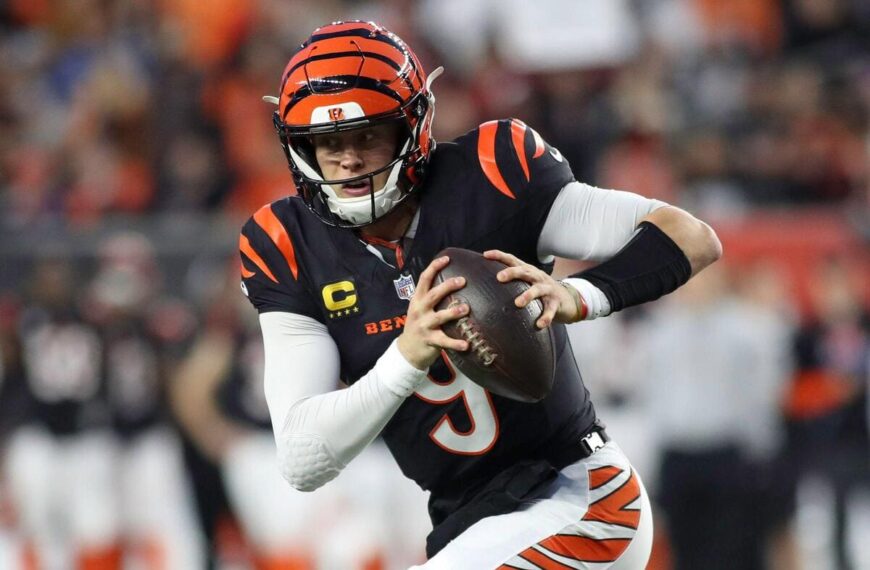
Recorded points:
(352, 75)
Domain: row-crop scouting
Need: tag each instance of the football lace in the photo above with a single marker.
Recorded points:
(478, 344)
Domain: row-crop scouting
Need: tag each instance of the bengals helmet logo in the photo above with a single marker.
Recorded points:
(336, 114)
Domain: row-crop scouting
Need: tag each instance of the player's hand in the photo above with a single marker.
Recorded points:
(422, 339)
(559, 304)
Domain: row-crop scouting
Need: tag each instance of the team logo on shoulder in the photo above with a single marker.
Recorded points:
(340, 299)
(404, 287)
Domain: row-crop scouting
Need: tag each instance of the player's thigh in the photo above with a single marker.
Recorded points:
(152, 480)
(91, 490)
(157, 503)
(33, 477)
(596, 515)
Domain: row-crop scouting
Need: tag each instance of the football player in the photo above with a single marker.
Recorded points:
(342, 276)
(139, 328)
(59, 461)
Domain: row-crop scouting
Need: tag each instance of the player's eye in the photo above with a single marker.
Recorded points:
(367, 139)
(330, 143)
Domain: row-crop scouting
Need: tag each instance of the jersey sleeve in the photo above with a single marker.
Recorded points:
(518, 162)
(271, 275)
(516, 179)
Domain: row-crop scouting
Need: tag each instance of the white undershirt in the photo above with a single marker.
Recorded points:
(319, 429)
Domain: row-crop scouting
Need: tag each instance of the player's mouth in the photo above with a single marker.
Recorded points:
(356, 189)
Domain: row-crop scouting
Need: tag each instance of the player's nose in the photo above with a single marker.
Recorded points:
(351, 159)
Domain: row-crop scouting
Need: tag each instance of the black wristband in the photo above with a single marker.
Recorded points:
(647, 267)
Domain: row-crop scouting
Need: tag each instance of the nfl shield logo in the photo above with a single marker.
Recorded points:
(404, 287)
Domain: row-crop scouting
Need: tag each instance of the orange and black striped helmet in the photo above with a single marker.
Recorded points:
(352, 75)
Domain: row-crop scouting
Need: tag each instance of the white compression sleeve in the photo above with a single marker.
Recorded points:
(318, 429)
(589, 223)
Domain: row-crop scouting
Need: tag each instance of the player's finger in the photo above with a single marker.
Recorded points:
(534, 292)
(443, 289)
(551, 306)
(451, 313)
(444, 341)
(523, 272)
(424, 283)
(506, 258)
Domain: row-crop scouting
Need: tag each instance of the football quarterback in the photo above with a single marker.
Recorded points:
(342, 276)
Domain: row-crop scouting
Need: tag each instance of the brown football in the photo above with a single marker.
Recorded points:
(508, 354)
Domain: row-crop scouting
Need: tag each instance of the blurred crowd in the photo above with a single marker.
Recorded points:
(135, 106)
(132, 421)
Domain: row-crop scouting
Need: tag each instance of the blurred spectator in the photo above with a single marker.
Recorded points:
(133, 107)
(828, 434)
(716, 365)
(234, 102)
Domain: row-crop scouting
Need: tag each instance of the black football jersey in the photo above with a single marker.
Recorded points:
(62, 358)
(489, 189)
(133, 376)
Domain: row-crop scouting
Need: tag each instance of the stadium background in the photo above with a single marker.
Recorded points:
(134, 142)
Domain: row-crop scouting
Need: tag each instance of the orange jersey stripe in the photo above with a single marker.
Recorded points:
(586, 549)
(266, 219)
(486, 156)
(248, 251)
(518, 134)
(611, 509)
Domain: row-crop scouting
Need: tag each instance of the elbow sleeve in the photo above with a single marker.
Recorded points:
(306, 462)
